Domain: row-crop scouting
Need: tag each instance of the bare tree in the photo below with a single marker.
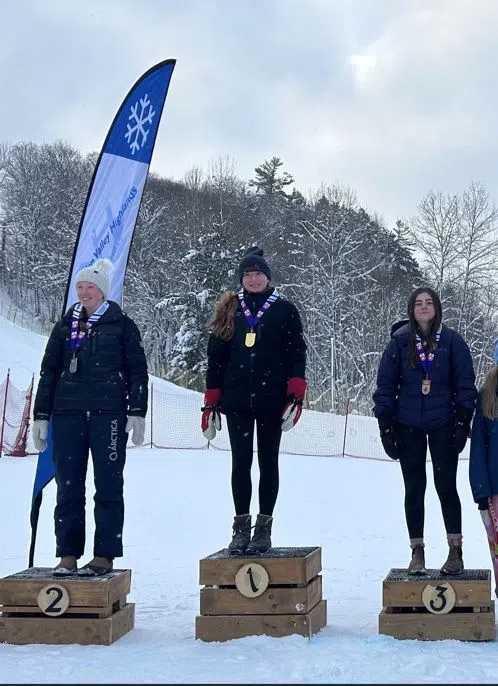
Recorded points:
(478, 252)
(435, 233)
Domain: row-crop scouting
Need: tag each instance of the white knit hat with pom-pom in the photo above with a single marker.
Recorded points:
(98, 273)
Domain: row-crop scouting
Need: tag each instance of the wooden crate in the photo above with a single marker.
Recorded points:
(36, 607)
(287, 601)
(437, 606)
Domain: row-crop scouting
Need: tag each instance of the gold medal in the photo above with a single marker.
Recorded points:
(426, 386)
(250, 339)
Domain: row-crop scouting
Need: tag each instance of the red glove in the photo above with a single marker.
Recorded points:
(211, 417)
(296, 388)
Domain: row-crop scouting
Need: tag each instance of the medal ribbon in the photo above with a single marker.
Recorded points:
(77, 336)
(426, 360)
(253, 320)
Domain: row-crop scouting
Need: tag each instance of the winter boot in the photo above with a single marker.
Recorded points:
(417, 563)
(96, 567)
(261, 538)
(454, 562)
(241, 534)
(66, 567)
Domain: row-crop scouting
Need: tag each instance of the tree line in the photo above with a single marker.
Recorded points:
(349, 275)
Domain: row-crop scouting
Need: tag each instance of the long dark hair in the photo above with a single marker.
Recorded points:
(415, 330)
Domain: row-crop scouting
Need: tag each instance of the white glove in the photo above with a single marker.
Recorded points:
(291, 414)
(137, 425)
(39, 431)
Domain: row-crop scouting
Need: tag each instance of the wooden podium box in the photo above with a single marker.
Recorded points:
(276, 594)
(36, 607)
(438, 606)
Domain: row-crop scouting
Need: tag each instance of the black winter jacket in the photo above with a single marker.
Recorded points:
(111, 375)
(256, 378)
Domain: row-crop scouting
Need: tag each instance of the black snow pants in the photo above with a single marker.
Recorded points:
(268, 433)
(74, 435)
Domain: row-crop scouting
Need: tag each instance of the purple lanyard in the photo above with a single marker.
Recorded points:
(77, 336)
(426, 360)
(253, 320)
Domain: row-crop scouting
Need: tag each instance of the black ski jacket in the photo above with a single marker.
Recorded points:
(111, 373)
(256, 378)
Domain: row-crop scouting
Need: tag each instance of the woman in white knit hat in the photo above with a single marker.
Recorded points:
(94, 388)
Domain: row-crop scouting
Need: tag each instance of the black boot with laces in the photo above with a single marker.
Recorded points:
(261, 539)
(241, 534)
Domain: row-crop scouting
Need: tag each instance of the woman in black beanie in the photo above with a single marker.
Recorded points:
(255, 377)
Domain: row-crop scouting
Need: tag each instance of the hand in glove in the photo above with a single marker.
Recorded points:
(137, 425)
(211, 417)
(39, 431)
(461, 429)
(389, 434)
(390, 443)
(483, 504)
(296, 388)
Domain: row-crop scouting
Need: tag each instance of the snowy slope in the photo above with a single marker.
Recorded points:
(179, 509)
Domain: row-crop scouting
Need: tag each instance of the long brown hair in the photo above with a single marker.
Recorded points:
(222, 323)
(487, 394)
(414, 327)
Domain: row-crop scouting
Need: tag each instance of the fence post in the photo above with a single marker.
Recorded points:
(3, 413)
(29, 409)
(152, 414)
(345, 430)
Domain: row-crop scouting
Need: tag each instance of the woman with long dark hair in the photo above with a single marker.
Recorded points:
(426, 395)
(255, 377)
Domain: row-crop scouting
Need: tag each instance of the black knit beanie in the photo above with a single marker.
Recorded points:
(254, 259)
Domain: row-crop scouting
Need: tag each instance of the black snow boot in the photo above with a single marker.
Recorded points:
(241, 534)
(261, 539)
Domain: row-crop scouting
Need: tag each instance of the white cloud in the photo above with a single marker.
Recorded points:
(392, 98)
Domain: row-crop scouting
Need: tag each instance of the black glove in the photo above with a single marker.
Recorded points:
(390, 442)
(389, 434)
(461, 428)
(483, 504)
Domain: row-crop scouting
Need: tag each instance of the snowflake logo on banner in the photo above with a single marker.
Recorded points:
(136, 133)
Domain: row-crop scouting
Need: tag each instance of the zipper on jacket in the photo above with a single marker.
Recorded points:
(251, 370)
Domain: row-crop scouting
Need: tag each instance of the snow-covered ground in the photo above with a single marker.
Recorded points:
(179, 509)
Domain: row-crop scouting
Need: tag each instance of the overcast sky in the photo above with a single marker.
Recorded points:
(390, 97)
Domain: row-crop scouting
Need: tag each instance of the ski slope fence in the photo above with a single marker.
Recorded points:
(15, 407)
(173, 422)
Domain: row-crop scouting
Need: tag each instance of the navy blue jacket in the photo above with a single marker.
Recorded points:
(483, 464)
(112, 369)
(399, 385)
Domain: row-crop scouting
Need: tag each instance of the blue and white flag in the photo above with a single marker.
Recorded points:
(110, 212)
